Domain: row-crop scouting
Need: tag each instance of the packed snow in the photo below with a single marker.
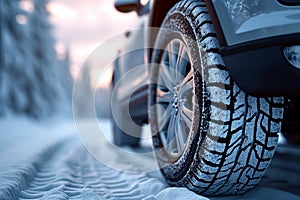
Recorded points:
(48, 160)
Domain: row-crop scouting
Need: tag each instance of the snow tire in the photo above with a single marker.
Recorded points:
(232, 136)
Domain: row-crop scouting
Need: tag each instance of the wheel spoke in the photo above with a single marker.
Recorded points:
(164, 97)
(165, 118)
(187, 78)
(182, 62)
(180, 136)
(166, 74)
(187, 115)
(171, 143)
(173, 55)
(178, 51)
(186, 87)
(167, 78)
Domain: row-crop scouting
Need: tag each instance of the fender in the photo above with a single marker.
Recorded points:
(158, 11)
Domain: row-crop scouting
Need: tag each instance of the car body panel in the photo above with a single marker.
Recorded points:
(252, 50)
(130, 74)
(244, 21)
(254, 54)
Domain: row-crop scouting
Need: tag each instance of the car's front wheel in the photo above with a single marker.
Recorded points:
(208, 134)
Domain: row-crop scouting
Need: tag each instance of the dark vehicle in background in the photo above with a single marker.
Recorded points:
(223, 79)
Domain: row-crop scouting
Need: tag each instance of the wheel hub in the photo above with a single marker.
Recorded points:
(178, 101)
(175, 103)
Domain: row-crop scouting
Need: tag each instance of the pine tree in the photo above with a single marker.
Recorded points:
(66, 80)
(15, 58)
(1, 57)
(83, 94)
(45, 62)
(32, 80)
(52, 76)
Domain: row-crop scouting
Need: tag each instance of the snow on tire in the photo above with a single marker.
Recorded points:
(230, 136)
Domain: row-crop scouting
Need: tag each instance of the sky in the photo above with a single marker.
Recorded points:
(84, 25)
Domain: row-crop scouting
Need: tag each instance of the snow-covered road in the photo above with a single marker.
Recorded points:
(48, 160)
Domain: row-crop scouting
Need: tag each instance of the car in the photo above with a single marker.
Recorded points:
(217, 80)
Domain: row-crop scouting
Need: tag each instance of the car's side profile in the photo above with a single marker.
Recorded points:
(219, 74)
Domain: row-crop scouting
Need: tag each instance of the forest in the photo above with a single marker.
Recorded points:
(34, 80)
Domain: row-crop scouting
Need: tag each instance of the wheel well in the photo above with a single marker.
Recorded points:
(163, 7)
(159, 10)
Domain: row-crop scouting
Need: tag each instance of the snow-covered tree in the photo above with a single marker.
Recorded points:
(45, 63)
(66, 80)
(83, 105)
(16, 58)
(32, 80)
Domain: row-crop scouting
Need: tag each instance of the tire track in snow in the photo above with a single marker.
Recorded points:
(69, 172)
(61, 168)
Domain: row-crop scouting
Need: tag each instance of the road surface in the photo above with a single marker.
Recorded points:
(51, 161)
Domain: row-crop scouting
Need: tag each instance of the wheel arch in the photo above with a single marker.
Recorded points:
(159, 9)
